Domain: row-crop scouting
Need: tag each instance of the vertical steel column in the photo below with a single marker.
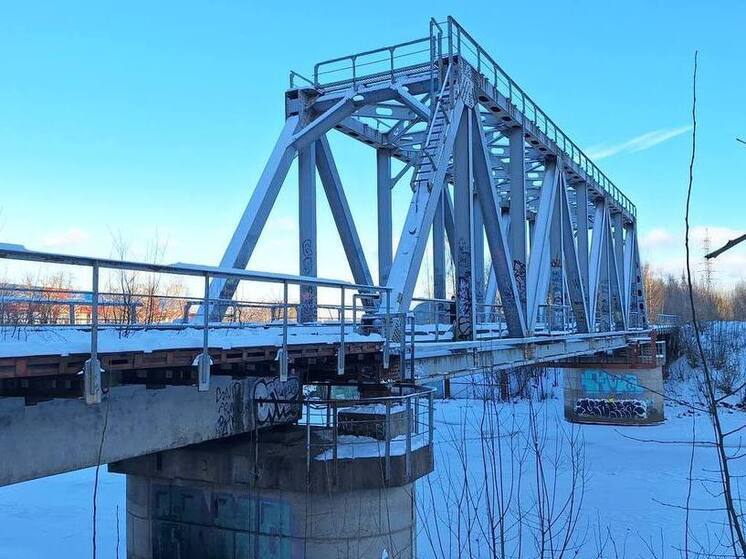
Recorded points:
(478, 255)
(384, 185)
(618, 223)
(307, 246)
(203, 368)
(464, 258)
(556, 260)
(581, 214)
(92, 367)
(341, 352)
(439, 250)
(517, 233)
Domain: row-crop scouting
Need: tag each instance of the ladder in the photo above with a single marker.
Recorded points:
(432, 149)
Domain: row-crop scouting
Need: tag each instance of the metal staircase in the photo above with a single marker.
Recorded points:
(432, 149)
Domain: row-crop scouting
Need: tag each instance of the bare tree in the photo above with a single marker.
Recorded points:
(730, 497)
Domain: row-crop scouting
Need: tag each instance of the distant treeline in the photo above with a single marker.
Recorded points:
(670, 295)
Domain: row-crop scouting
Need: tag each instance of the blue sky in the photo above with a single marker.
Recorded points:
(131, 118)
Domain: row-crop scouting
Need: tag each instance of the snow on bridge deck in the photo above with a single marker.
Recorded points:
(63, 341)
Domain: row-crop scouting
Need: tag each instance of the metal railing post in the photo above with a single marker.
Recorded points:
(411, 353)
(387, 441)
(308, 443)
(408, 451)
(92, 367)
(417, 414)
(203, 366)
(335, 439)
(341, 352)
(430, 418)
(282, 354)
(387, 328)
(391, 54)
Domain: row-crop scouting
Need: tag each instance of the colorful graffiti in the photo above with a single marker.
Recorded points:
(612, 409)
(274, 404)
(597, 381)
(276, 400)
(230, 407)
(193, 522)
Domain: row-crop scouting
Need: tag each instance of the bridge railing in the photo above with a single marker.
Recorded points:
(386, 428)
(463, 45)
(426, 54)
(99, 310)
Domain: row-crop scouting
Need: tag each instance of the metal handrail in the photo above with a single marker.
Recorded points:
(511, 90)
(458, 42)
(323, 414)
(92, 371)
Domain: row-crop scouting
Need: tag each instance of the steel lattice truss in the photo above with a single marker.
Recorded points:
(485, 163)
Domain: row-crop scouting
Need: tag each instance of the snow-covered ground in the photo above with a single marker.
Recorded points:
(633, 484)
(630, 489)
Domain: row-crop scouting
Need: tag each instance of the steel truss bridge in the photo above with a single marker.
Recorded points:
(559, 276)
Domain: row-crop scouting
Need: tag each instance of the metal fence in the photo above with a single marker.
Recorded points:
(122, 310)
(382, 428)
(449, 39)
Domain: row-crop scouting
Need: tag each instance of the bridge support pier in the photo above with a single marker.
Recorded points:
(612, 393)
(239, 498)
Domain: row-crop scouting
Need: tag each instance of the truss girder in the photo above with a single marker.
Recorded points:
(420, 109)
(324, 122)
(463, 205)
(573, 274)
(497, 241)
(598, 242)
(537, 278)
(512, 186)
(425, 196)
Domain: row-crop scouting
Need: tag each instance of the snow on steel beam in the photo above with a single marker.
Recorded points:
(406, 265)
(335, 194)
(496, 238)
(246, 235)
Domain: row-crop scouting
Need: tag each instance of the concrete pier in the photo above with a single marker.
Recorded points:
(293, 492)
(614, 394)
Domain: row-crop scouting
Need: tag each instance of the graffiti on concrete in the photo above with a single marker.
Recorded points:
(193, 522)
(230, 409)
(611, 409)
(272, 400)
(596, 381)
(276, 400)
